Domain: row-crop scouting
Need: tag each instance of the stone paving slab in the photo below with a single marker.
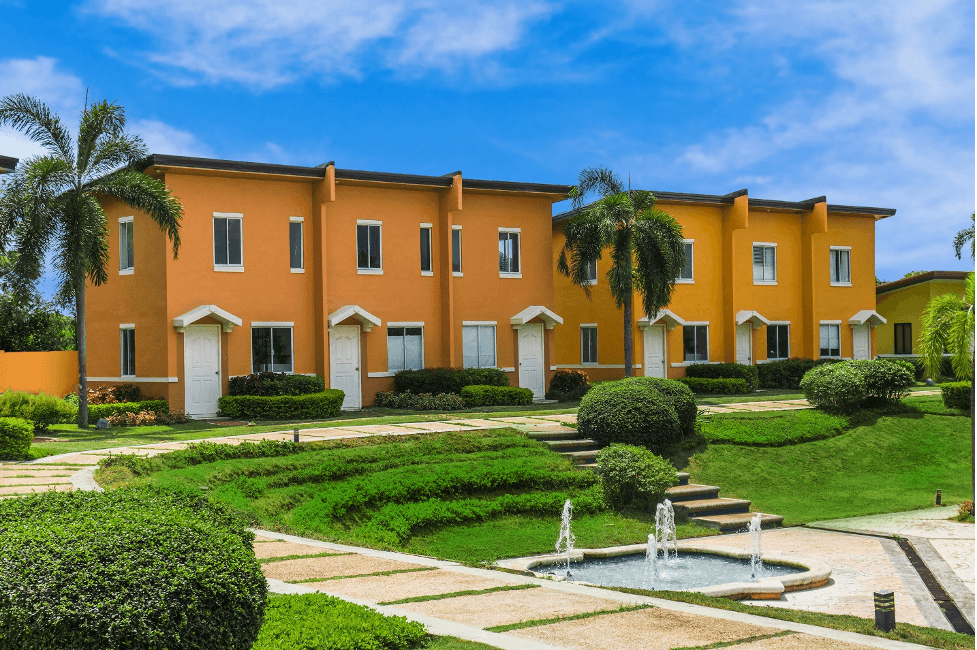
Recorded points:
(959, 554)
(379, 589)
(33, 471)
(384, 428)
(119, 451)
(262, 538)
(27, 489)
(438, 426)
(270, 435)
(328, 432)
(34, 480)
(561, 417)
(480, 423)
(272, 549)
(331, 567)
(504, 607)
(800, 642)
(522, 420)
(168, 446)
(647, 629)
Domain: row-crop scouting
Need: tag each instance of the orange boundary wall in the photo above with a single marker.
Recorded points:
(53, 373)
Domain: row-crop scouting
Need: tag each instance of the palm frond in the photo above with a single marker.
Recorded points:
(659, 253)
(596, 179)
(115, 153)
(100, 123)
(148, 195)
(962, 237)
(947, 326)
(38, 122)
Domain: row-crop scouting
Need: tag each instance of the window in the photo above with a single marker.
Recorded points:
(227, 241)
(405, 348)
(478, 346)
(778, 341)
(686, 275)
(592, 271)
(830, 340)
(840, 259)
(369, 254)
(271, 349)
(509, 252)
(456, 249)
(695, 341)
(128, 348)
(588, 344)
(125, 246)
(764, 263)
(296, 254)
(904, 338)
(426, 249)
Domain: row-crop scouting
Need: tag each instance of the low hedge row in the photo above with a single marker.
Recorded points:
(724, 371)
(16, 436)
(326, 404)
(447, 380)
(272, 384)
(846, 386)
(706, 386)
(40, 410)
(422, 402)
(496, 396)
(772, 429)
(958, 395)
(96, 411)
(785, 373)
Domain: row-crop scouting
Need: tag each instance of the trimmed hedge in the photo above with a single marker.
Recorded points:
(630, 412)
(835, 387)
(16, 436)
(633, 474)
(705, 386)
(958, 395)
(496, 396)
(885, 382)
(725, 371)
(912, 364)
(96, 411)
(326, 404)
(273, 384)
(447, 380)
(679, 396)
(129, 568)
(565, 381)
(785, 373)
(772, 428)
(422, 402)
(41, 410)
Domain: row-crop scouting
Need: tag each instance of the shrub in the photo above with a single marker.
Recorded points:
(725, 371)
(957, 395)
(495, 396)
(487, 377)
(326, 404)
(632, 474)
(574, 395)
(422, 402)
(41, 410)
(704, 386)
(128, 568)
(628, 411)
(447, 380)
(835, 387)
(785, 373)
(965, 510)
(565, 381)
(679, 396)
(885, 382)
(772, 429)
(145, 418)
(913, 365)
(16, 436)
(107, 411)
(274, 384)
(320, 622)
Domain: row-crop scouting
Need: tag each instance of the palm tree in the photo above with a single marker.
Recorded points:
(965, 235)
(51, 203)
(645, 245)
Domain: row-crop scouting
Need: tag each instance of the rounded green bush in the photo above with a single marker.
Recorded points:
(126, 569)
(957, 395)
(835, 387)
(630, 475)
(885, 381)
(681, 398)
(16, 436)
(628, 411)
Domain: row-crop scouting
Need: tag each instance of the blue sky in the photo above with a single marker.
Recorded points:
(867, 102)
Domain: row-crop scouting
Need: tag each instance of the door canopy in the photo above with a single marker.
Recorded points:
(550, 319)
(226, 319)
(665, 317)
(751, 317)
(366, 319)
(867, 316)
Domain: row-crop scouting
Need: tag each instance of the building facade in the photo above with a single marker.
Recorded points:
(347, 274)
(902, 303)
(764, 280)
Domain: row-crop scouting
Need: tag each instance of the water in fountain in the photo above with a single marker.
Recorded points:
(566, 538)
(665, 534)
(756, 561)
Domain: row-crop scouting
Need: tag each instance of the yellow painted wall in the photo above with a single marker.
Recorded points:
(906, 305)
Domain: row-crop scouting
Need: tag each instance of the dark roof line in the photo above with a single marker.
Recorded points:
(7, 164)
(922, 277)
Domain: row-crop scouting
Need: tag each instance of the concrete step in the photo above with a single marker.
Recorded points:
(706, 507)
(734, 522)
(578, 444)
(559, 433)
(581, 457)
(683, 478)
(691, 492)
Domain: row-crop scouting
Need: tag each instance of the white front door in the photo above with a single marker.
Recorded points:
(655, 351)
(744, 343)
(344, 363)
(202, 369)
(531, 373)
(861, 338)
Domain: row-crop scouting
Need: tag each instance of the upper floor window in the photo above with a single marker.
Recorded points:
(127, 336)
(228, 243)
(478, 346)
(296, 250)
(588, 344)
(426, 268)
(125, 246)
(456, 250)
(904, 338)
(695, 342)
(405, 348)
(369, 251)
(686, 275)
(271, 347)
(509, 251)
(592, 272)
(764, 263)
(778, 341)
(830, 340)
(840, 261)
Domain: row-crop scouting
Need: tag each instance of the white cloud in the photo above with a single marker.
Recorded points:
(163, 138)
(40, 77)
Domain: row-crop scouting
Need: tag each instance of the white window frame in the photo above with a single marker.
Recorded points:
(592, 266)
(780, 322)
(839, 248)
(290, 326)
(299, 220)
(681, 280)
(834, 323)
(228, 268)
(368, 222)
(764, 244)
(429, 227)
(589, 326)
(694, 324)
(125, 327)
(128, 270)
(518, 233)
(495, 340)
(461, 256)
(405, 324)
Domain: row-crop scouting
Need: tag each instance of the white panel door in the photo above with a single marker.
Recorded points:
(655, 351)
(344, 363)
(531, 373)
(202, 369)
(744, 344)
(861, 341)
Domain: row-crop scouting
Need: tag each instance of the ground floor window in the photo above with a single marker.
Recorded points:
(405, 348)
(271, 349)
(588, 344)
(128, 346)
(778, 341)
(904, 338)
(830, 340)
(478, 346)
(695, 341)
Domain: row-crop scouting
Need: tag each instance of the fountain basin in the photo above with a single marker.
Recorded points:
(791, 573)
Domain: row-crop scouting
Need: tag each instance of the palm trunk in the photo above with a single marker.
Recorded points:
(82, 355)
(628, 336)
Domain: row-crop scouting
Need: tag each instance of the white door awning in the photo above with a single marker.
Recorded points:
(368, 320)
(665, 317)
(226, 319)
(867, 316)
(752, 317)
(549, 318)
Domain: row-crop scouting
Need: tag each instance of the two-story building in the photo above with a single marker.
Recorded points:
(902, 304)
(763, 280)
(351, 275)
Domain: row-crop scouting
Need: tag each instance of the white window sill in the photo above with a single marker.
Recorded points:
(136, 378)
(229, 269)
(126, 271)
(381, 374)
(759, 361)
(297, 270)
(510, 275)
(686, 364)
(841, 284)
(684, 281)
(589, 364)
(769, 283)
(369, 271)
(584, 366)
(507, 369)
(457, 274)
(427, 274)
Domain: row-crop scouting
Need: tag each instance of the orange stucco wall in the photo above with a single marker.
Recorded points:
(52, 373)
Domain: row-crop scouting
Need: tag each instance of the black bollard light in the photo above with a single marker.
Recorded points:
(885, 611)
(939, 497)
(295, 436)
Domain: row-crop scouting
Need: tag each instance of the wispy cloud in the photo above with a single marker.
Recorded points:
(42, 78)
(164, 138)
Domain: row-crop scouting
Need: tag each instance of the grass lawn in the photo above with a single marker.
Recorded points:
(761, 395)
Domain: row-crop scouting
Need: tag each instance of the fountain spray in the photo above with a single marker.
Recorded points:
(567, 537)
(665, 533)
(756, 560)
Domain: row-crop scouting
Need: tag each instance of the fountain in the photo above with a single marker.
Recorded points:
(756, 557)
(665, 534)
(566, 538)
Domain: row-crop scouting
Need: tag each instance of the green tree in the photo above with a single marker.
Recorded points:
(965, 235)
(51, 203)
(645, 245)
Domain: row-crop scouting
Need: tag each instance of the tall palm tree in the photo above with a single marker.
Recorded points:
(51, 204)
(645, 244)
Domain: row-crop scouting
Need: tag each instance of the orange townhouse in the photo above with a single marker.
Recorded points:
(763, 280)
(352, 275)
